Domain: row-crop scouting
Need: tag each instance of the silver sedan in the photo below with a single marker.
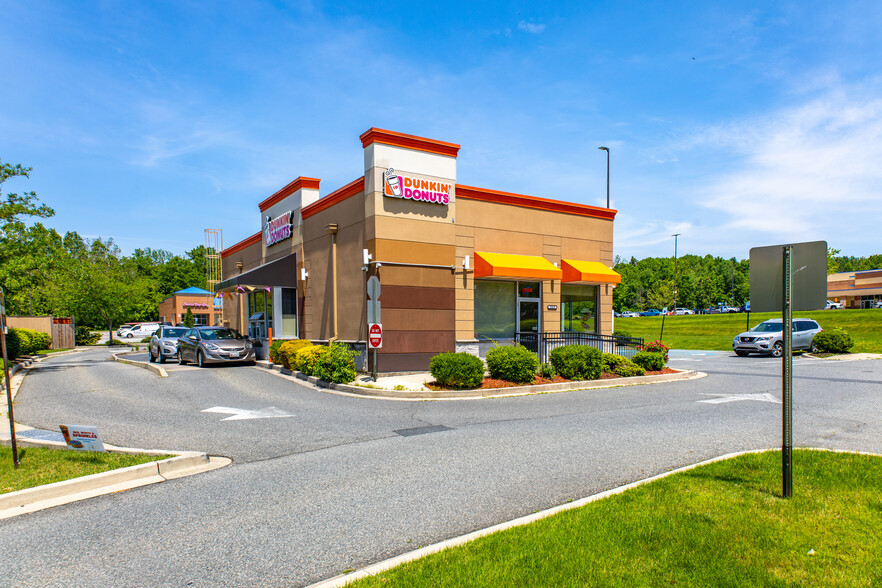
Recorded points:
(204, 345)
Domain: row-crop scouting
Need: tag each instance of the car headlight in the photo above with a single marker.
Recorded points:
(211, 346)
(764, 338)
(248, 345)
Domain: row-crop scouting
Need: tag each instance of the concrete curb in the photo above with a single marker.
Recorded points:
(159, 371)
(67, 491)
(486, 393)
(372, 570)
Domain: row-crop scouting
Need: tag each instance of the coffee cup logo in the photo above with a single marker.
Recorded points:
(393, 183)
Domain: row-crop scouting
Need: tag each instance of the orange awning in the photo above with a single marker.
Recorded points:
(507, 265)
(575, 270)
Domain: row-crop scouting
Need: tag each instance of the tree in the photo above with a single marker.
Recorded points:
(189, 319)
(13, 205)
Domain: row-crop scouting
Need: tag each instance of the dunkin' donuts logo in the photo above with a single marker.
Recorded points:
(399, 186)
(277, 229)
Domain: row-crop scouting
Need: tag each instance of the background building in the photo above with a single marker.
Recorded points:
(206, 308)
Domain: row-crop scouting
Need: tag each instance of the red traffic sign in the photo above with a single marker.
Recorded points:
(375, 336)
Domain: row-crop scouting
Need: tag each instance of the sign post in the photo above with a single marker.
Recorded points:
(773, 281)
(15, 462)
(373, 319)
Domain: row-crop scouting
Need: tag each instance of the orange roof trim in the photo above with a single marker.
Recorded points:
(351, 189)
(301, 182)
(495, 196)
(247, 242)
(375, 135)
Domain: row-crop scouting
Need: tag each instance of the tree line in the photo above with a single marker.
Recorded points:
(702, 282)
(45, 273)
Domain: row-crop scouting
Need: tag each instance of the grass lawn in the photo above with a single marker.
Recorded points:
(46, 466)
(723, 524)
(48, 351)
(716, 331)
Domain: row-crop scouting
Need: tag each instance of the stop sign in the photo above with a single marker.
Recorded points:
(375, 335)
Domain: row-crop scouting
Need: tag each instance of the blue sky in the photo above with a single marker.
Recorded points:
(736, 124)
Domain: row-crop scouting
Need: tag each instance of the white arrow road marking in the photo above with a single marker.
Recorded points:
(723, 398)
(241, 414)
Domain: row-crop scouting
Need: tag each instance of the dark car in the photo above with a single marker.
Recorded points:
(164, 343)
(204, 345)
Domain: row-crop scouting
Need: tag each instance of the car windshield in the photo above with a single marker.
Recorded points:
(173, 332)
(767, 328)
(214, 334)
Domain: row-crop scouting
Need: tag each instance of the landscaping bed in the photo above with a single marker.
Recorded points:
(489, 383)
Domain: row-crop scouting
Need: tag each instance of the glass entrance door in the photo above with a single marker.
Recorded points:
(528, 306)
(528, 316)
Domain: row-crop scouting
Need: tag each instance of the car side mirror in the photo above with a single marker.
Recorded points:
(191, 337)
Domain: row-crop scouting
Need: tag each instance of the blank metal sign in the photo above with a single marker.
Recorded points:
(808, 268)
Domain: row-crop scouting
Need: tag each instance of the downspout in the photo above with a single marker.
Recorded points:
(332, 230)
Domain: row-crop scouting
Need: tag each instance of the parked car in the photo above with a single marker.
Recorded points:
(204, 345)
(651, 312)
(767, 338)
(630, 314)
(878, 304)
(164, 343)
(123, 328)
(140, 330)
(832, 305)
(681, 311)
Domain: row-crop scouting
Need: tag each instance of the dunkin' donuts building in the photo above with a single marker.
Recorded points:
(459, 267)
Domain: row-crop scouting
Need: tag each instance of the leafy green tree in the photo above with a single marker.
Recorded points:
(189, 319)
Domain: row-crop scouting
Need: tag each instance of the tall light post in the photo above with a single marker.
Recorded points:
(607, 173)
(675, 269)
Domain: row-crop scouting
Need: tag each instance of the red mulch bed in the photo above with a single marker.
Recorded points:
(489, 383)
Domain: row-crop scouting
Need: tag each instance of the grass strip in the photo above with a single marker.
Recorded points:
(46, 466)
(716, 331)
(722, 524)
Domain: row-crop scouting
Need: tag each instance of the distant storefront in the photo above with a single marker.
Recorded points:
(461, 268)
(855, 289)
(206, 308)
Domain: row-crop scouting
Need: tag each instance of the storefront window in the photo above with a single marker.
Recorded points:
(289, 312)
(495, 309)
(578, 308)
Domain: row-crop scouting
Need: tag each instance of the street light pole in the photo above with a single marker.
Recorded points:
(675, 268)
(607, 173)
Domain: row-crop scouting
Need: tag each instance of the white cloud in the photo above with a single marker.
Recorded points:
(529, 27)
(808, 169)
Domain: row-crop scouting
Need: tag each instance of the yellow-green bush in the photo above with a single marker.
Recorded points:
(289, 349)
(307, 359)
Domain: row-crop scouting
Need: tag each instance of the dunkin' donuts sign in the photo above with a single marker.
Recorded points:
(400, 186)
(277, 229)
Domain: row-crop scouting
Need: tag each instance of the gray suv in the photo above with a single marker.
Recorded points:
(164, 343)
(767, 337)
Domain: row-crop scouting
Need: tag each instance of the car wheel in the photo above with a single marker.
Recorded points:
(150, 357)
(128, 335)
(200, 360)
(778, 349)
(160, 357)
(740, 353)
(814, 348)
(180, 358)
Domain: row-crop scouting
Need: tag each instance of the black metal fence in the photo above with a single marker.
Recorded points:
(542, 343)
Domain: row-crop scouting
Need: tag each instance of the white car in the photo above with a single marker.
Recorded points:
(679, 310)
(629, 314)
(832, 305)
(141, 330)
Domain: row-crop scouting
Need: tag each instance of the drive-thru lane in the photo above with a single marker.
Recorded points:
(347, 481)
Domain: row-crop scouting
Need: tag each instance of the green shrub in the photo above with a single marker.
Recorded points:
(611, 361)
(577, 362)
(288, 350)
(84, 336)
(274, 350)
(651, 361)
(457, 370)
(546, 370)
(512, 363)
(621, 334)
(306, 359)
(337, 364)
(836, 340)
(13, 344)
(626, 370)
(115, 342)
